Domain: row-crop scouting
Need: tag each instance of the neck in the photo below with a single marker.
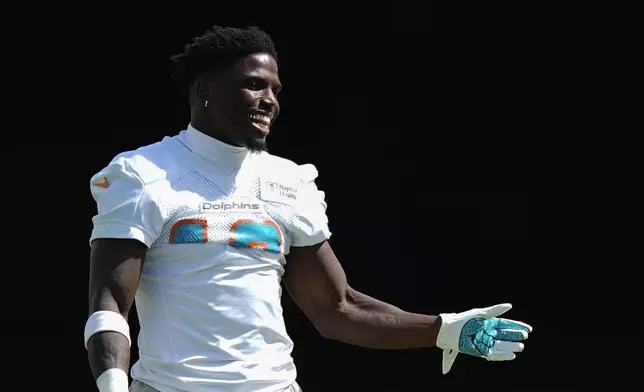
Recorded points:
(213, 150)
(207, 128)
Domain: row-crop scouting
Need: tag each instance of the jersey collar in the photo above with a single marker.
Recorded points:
(212, 150)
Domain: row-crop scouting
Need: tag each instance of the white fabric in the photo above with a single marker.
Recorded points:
(112, 380)
(213, 151)
(218, 222)
(138, 386)
(105, 320)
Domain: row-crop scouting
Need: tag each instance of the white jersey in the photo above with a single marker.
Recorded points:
(218, 222)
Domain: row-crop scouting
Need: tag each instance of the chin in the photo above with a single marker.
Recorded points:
(257, 144)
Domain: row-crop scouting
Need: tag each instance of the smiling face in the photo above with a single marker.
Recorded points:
(242, 102)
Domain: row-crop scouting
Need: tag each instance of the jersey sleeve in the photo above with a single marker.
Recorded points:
(311, 225)
(125, 208)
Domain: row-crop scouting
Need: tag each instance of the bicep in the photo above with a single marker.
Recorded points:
(115, 270)
(315, 280)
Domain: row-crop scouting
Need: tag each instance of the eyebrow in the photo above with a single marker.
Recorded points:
(262, 75)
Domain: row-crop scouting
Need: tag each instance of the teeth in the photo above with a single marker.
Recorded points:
(260, 118)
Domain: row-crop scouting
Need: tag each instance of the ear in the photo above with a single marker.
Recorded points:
(202, 90)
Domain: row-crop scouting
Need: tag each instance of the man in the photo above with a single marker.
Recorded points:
(203, 227)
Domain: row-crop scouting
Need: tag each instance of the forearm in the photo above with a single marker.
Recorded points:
(388, 327)
(115, 267)
(108, 350)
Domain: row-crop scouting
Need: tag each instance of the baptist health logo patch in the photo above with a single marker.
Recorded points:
(277, 192)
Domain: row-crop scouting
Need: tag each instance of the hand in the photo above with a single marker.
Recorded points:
(480, 333)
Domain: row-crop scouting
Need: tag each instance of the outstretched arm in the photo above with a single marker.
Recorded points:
(317, 283)
(368, 303)
(115, 270)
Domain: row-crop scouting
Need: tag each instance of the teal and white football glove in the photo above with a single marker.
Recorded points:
(480, 333)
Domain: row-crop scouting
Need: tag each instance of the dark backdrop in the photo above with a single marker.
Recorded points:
(467, 156)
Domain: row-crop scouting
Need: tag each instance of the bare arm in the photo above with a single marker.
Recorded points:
(115, 270)
(317, 282)
(368, 303)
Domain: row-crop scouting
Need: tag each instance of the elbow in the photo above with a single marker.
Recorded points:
(104, 300)
(325, 329)
(329, 324)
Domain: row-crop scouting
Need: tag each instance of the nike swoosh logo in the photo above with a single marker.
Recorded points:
(104, 184)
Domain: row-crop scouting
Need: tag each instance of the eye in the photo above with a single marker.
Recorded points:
(256, 84)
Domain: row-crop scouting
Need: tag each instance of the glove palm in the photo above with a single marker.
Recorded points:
(481, 333)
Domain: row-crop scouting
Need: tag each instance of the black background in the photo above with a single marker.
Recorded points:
(469, 156)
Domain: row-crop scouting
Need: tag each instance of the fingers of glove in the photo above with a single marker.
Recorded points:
(504, 351)
(495, 311)
(514, 347)
(497, 355)
(504, 323)
(511, 335)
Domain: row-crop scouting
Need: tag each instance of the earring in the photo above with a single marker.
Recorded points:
(205, 104)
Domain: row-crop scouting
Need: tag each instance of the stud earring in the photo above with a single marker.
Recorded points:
(205, 104)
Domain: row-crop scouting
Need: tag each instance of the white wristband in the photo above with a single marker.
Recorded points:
(106, 320)
(112, 380)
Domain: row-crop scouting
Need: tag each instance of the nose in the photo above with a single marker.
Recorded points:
(268, 101)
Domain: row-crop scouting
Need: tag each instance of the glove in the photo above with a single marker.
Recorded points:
(480, 333)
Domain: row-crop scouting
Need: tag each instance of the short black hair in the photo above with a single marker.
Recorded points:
(219, 47)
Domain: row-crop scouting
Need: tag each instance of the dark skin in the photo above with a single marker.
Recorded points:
(249, 87)
(115, 270)
(316, 281)
(314, 277)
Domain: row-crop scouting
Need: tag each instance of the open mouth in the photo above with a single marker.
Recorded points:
(261, 121)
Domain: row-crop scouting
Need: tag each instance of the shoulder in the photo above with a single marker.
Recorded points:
(148, 164)
(303, 173)
(127, 193)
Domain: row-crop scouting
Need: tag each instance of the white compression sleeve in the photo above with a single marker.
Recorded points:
(112, 380)
(106, 320)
